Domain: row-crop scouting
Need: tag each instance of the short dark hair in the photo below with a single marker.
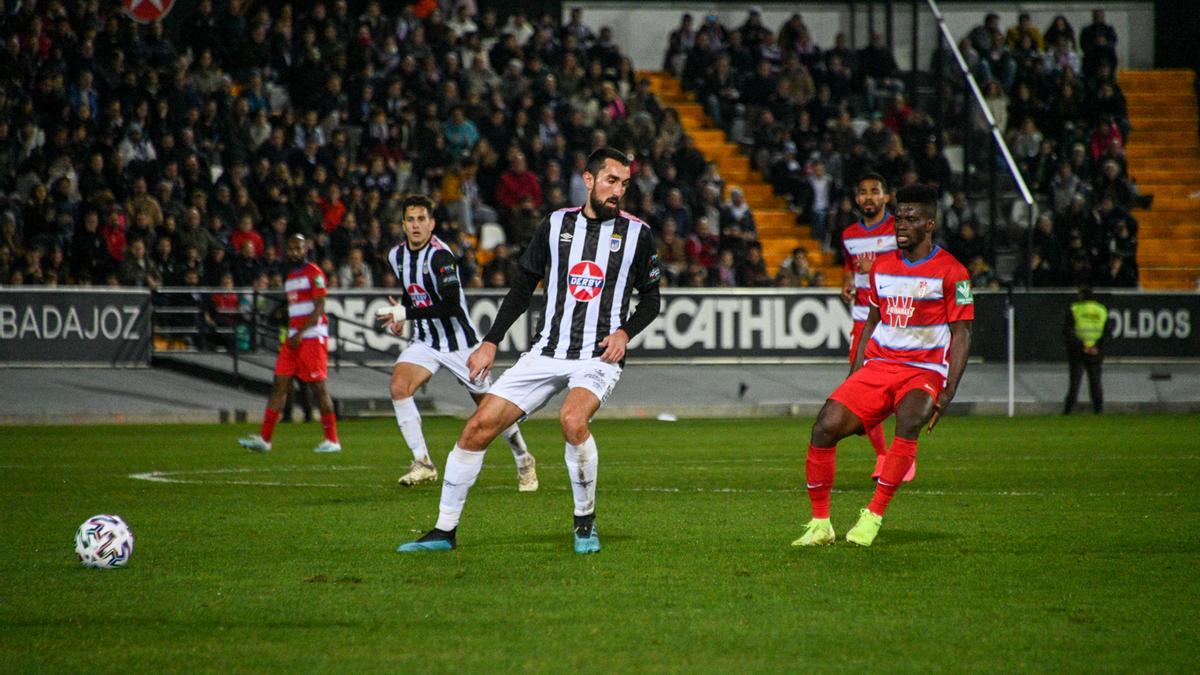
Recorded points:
(416, 201)
(919, 193)
(871, 175)
(596, 160)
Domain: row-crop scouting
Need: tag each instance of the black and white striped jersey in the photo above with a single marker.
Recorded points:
(429, 279)
(590, 269)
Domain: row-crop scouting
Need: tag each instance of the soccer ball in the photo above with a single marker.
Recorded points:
(104, 542)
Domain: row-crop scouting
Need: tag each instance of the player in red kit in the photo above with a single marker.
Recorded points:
(862, 242)
(909, 362)
(305, 355)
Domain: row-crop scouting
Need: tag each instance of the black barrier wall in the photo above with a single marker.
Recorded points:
(777, 325)
(105, 326)
(1140, 325)
(75, 327)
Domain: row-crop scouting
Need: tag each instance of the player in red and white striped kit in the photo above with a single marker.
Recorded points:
(862, 242)
(305, 355)
(913, 354)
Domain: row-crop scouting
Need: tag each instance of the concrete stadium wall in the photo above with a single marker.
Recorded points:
(642, 29)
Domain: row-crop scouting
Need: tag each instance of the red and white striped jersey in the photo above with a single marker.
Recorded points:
(304, 285)
(917, 302)
(861, 245)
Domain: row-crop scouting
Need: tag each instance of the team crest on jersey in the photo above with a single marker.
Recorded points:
(614, 244)
(418, 295)
(900, 311)
(922, 288)
(585, 280)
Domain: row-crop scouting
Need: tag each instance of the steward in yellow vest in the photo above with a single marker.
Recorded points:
(1085, 331)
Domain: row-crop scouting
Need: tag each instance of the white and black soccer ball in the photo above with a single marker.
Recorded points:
(104, 542)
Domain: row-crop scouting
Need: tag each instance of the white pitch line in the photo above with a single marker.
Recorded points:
(173, 477)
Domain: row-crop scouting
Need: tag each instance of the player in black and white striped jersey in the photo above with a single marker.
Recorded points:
(590, 260)
(442, 337)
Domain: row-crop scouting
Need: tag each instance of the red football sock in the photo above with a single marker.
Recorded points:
(878, 439)
(270, 419)
(329, 424)
(897, 463)
(819, 470)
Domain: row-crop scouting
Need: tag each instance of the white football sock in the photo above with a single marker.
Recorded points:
(582, 462)
(462, 468)
(517, 442)
(409, 419)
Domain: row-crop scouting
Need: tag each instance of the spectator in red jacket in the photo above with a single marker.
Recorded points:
(114, 235)
(332, 208)
(703, 244)
(1103, 136)
(517, 184)
(245, 233)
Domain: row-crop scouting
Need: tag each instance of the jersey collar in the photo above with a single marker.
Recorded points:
(932, 252)
(863, 223)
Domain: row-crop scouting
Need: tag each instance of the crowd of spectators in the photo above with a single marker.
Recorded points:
(136, 155)
(814, 118)
(1056, 96)
(133, 155)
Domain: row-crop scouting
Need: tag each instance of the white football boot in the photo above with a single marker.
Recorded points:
(527, 480)
(418, 473)
(328, 446)
(255, 443)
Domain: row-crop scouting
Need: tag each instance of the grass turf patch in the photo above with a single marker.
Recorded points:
(1028, 544)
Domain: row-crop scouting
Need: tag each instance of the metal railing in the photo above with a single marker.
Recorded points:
(200, 319)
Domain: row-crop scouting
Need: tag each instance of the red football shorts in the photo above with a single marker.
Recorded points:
(308, 363)
(873, 391)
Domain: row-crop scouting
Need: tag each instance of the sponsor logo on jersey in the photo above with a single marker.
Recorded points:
(900, 311)
(566, 236)
(962, 293)
(418, 295)
(585, 280)
(614, 244)
(147, 11)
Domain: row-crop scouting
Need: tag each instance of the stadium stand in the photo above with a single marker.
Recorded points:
(799, 113)
(251, 121)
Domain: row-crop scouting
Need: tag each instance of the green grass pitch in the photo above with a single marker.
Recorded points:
(1036, 544)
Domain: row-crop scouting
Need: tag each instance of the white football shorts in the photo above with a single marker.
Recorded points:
(421, 354)
(535, 379)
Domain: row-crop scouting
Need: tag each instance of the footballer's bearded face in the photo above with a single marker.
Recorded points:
(295, 251)
(870, 198)
(606, 189)
(914, 225)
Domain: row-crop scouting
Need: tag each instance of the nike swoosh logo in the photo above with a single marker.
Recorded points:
(814, 486)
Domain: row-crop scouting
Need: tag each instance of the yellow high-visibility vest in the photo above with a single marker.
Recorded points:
(1091, 318)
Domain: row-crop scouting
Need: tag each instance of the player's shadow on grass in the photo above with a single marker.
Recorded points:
(364, 498)
(555, 538)
(903, 537)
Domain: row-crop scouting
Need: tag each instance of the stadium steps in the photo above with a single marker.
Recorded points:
(777, 228)
(1164, 159)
